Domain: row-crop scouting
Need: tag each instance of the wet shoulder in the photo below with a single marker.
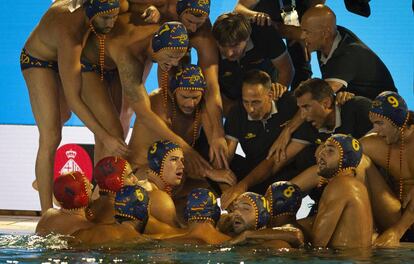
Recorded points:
(371, 143)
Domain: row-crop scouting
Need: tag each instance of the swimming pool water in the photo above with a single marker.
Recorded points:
(34, 249)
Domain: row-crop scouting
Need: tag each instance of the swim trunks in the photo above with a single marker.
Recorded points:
(91, 67)
(27, 61)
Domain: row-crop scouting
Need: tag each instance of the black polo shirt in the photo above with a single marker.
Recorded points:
(265, 45)
(272, 7)
(256, 137)
(355, 65)
(352, 118)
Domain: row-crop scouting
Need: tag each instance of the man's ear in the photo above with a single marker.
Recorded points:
(327, 103)
(271, 94)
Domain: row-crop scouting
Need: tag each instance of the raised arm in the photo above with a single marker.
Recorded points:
(69, 53)
(207, 53)
(292, 235)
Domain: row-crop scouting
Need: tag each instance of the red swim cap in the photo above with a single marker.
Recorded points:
(109, 173)
(71, 190)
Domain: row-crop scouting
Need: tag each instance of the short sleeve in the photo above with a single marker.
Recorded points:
(306, 134)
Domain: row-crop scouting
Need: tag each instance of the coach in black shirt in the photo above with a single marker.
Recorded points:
(315, 99)
(244, 47)
(255, 124)
(286, 16)
(345, 61)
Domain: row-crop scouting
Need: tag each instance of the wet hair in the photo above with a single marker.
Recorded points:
(318, 88)
(258, 77)
(231, 28)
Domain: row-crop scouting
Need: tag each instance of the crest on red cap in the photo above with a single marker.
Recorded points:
(109, 173)
(71, 190)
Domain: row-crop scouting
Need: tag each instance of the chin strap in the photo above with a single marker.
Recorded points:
(101, 39)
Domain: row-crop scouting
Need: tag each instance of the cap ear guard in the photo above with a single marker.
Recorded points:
(350, 151)
(98, 7)
(391, 106)
(201, 207)
(285, 198)
(262, 208)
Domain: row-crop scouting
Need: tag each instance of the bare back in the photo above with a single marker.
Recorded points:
(344, 216)
(106, 234)
(58, 222)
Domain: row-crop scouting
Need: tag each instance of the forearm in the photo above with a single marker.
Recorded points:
(406, 220)
(289, 32)
(259, 174)
(294, 123)
(242, 9)
(291, 235)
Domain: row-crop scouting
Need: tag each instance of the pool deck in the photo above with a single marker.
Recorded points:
(18, 224)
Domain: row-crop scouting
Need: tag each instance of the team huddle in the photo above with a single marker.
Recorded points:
(343, 139)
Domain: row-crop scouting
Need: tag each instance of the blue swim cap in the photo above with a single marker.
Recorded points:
(261, 206)
(350, 151)
(391, 106)
(201, 206)
(284, 197)
(171, 35)
(189, 77)
(157, 154)
(201, 7)
(132, 202)
(97, 7)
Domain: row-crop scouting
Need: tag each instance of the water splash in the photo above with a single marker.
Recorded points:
(51, 241)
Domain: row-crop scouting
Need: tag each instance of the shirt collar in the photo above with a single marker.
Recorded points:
(338, 122)
(335, 45)
(273, 111)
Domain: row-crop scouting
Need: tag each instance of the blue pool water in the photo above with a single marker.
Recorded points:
(34, 249)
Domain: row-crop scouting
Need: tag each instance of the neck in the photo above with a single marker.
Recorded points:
(80, 211)
(161, 185)
(327, 46)
(346, 173)
(269, 110)
(330, 120)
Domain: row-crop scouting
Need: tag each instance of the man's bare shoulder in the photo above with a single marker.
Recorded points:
(132, 27)
(343, 187)
(371, 142)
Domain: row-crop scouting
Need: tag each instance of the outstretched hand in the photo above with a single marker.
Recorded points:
(343, 97)
(232, 194)
(222, 176)
(151, 15)
(194, 163)
(278, 149)
(389, 239)
(219, 152)
(116, 146)
(262, 19)
(278, 90)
